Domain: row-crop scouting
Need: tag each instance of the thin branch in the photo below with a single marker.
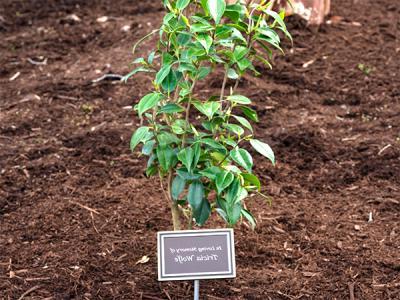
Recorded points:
(223, 85)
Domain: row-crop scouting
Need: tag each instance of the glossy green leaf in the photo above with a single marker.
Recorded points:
(239, 99)
(223, 180)
(171, 108)
(169, 83)
(148, 102)
(211, 172)
(249, 217)
(138, 136)
(182, 4)
(234, 212)
(203, 72)
(166, 138)
(232, 74)
(166, 157)
(236, 129)
(232, 192)
(249, 113)
(148, 147)
(202, 214)
(243, 158)
(240, 52)
(244, 122)
(163, 73)
(196, 195)
(212, 143)
(264, 149)
(216, 9)
(186, 157)
(205, 40)
(178, 185)
(251, 181)
(207, 108)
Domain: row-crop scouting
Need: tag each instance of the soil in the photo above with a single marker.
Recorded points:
(77, 212)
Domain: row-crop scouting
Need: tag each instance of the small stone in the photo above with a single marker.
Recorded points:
(102, 19)
(357, 227)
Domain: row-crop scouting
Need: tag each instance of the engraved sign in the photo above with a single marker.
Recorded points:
(196, 254)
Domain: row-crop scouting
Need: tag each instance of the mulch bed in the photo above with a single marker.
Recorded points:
(77, 212)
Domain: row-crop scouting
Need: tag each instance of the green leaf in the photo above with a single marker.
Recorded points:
(166, 138)
(196, 195)
(216, 9)
(249, 217)
(239, 99)
(251, 181)
(166, 157)
(197, 153)
(184, 38)
(232, 192)
(150, 58)
(211, 172)
(162, 74)
(148, 147)
(181, 4)
(198, 27)
(249, 113)
(186, 157)
(203, 72)
(244, 122)
(138, 137)
(202, 214)
(169, 83)
(184, 174)
(212, 143)
(236, 129)
(148, 102)
(135, 71)
(280, 21)
(178, 185)
(205, 40)
(232, 74)
(171, 108)
(178, 127)
(223, 180)
(243, 158)
(234, 12)
(264, 149)
(151, 170)
(244, 64)
(240, 52)
(207, 108)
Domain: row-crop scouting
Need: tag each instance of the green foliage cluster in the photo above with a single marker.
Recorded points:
(196, 143)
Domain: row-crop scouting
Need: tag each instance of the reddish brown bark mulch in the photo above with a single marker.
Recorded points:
(64, 147)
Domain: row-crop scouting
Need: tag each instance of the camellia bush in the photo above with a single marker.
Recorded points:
(195, 144)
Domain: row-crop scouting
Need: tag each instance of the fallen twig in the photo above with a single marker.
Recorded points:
(384, 148)
(15, 76)
(85, 207)
(29, 291)
(35, 62)
(351, 290)
(112, 77)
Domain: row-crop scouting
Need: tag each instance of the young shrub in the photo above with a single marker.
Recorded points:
(196, 144)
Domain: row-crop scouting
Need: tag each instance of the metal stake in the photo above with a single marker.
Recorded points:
(196, 290)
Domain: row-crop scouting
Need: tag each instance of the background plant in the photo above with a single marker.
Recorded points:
(194, 144)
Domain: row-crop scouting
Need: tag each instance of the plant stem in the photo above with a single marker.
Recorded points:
(187, 113)
(175, 212)
(223, 85)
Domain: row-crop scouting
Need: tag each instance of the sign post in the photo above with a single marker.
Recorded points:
(195, 255)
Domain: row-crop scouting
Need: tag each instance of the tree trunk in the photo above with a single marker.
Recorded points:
(313, 11)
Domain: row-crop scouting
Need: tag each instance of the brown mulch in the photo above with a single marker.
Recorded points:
(77, 213)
